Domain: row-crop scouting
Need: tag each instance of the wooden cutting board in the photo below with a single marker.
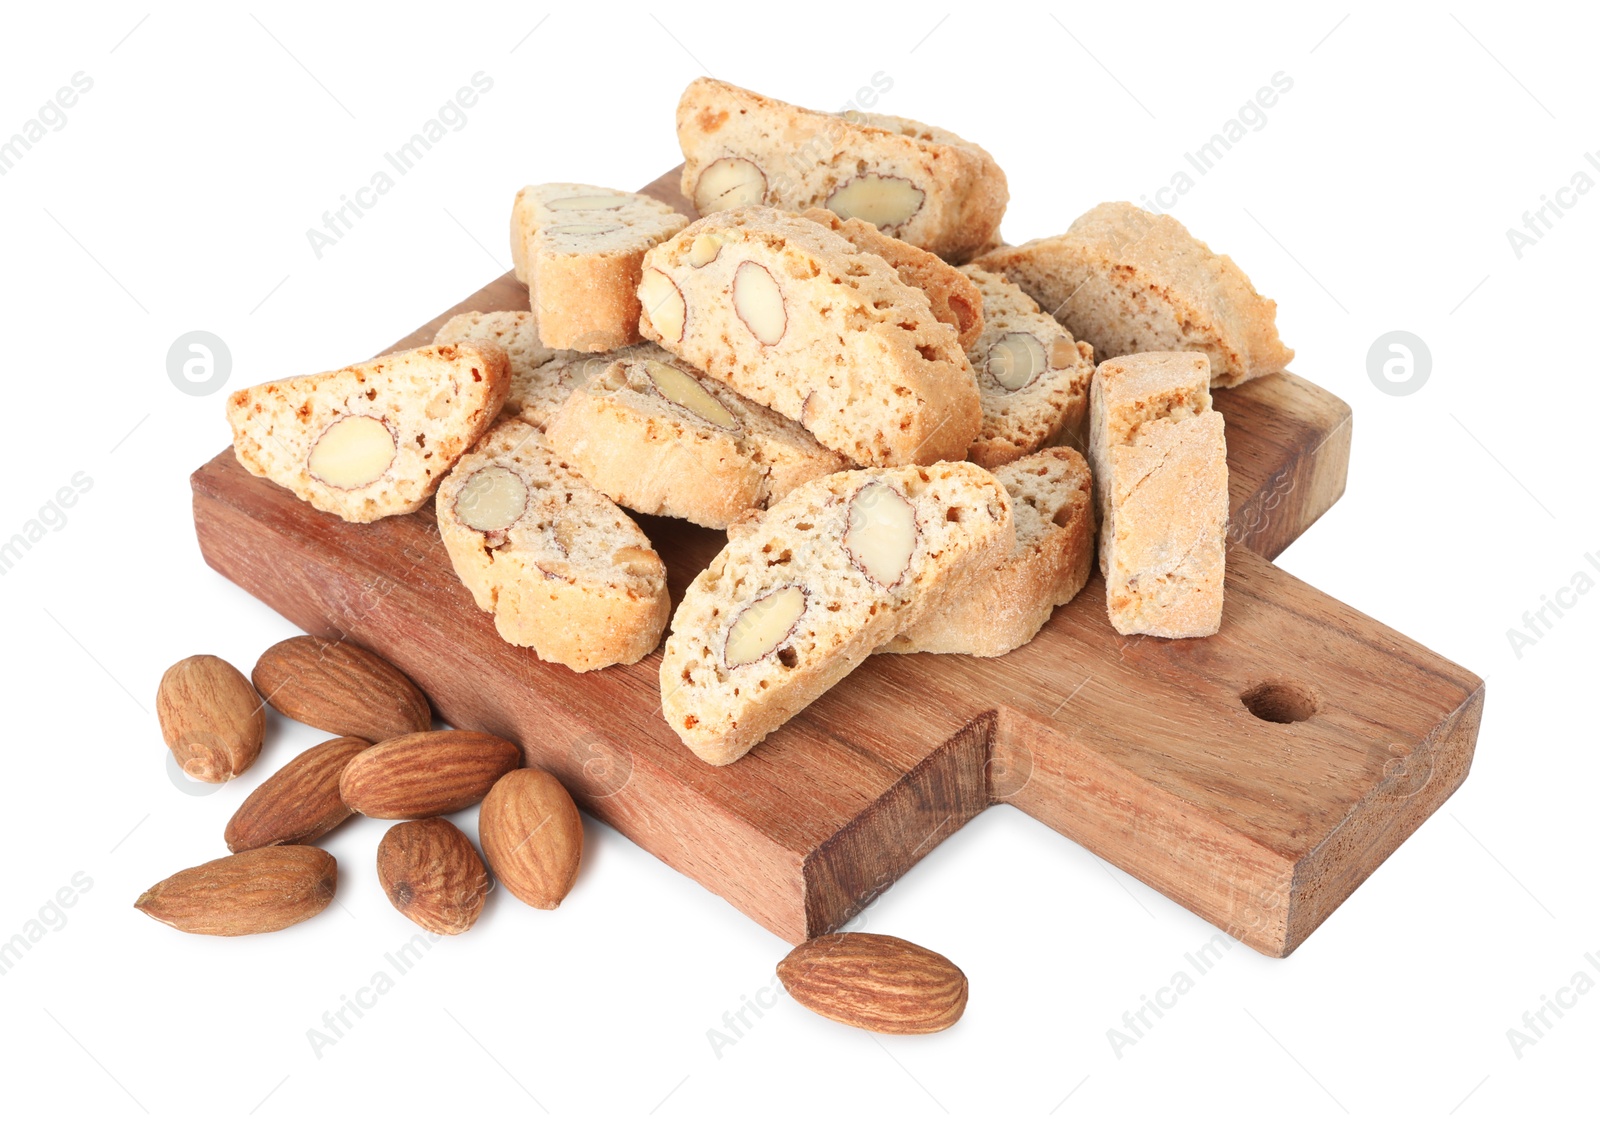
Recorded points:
(1256, 777)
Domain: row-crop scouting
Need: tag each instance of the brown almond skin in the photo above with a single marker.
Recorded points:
(340, 688)
(532, 836)
(240, 894)
(298, 803)
(210, 717)
(423, 774)
(432, 874)
(879, 983)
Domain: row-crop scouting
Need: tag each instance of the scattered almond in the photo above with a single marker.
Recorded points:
(879, 983)
(340, 688)
(298, 803)
(433, 875)
(256, 891)
(423, 774)
(210, 717)
(532, 836)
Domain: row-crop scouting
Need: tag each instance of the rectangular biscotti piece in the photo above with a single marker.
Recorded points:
(801, 596)
(560, 567)
(797, 318)
(952, 296)
(578, 248)
(656, 435)
(1053, 513)
(1032, 376)
(913, 181)
(541, 378)
(373, 439)
(1128, 281)
(1161, 489)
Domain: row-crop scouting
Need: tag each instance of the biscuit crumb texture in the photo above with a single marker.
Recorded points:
(795, 317)
(569, 575)
(433, 402)
(1053, 513)
(1161, 488)
(1128, 281)
(817, 542)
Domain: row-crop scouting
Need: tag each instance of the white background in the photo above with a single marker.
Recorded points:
(1376, 197)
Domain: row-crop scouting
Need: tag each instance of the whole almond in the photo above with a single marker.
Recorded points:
(433, 875)
(210, 717)
(256, 891)
(532, 836)
(298, 803)
(340, 688)
(423, 774)
(879, 983)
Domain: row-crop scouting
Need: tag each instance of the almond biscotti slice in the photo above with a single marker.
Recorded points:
(803, 595)
(578, 248)
(653, 434)
(1053, 513)
(514, 330)
(953, 297)
(561, 568)
(1128, 281)
(797, 318)
(914, 181)
(1161, 489)
(1032, 376)
(541, 378)
(373, 439)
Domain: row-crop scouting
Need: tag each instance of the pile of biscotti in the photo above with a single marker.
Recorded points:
(842, 365)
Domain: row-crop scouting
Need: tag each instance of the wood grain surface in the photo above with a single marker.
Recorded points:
(1256, 777)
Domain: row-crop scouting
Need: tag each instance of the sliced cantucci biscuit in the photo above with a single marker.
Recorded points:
(916, 182)
(1161, 488)
(804, 593)
(1053, 513)
(373, 439)
(561, 568)
(796, 317)
(653, 434)
(541, 378)
(578, 248)
(1128, 281)
(953, 297)
(1033, 377)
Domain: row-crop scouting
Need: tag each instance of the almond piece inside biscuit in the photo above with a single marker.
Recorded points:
(678, 387)
(758, 301)
(353, 452)
(882, 533)
(663, 304)
(763, 627)
(586, 203)
(884, 201)
(492, 499)
(704, 250)
(729, 182)
(581, 229)
(1016, 360)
